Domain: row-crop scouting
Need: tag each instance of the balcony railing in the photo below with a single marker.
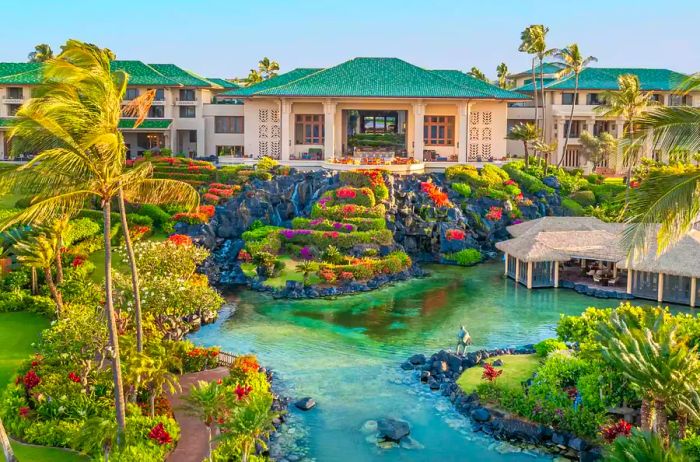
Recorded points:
(13, 100)
(186, 101)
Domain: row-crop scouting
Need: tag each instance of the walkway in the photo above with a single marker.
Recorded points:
(193, 445)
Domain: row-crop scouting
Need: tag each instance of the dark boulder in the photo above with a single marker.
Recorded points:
(498, 363)
(305, 403)
(392, 429)
(480, 414)
(417, 360)
(516, 429)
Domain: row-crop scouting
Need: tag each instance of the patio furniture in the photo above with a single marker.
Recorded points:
(315, 153)
(612, 282)
(596, 278)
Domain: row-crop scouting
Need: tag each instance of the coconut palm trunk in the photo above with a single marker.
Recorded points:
(661, 419)
(527, 154)
(645, 415)
(134, 272)
(571, 121)
(112, 328)
(544, 106)
(6, 447)
(54, 292)
(35, 282)
(59, 260)
(534, 92)
(682, 419)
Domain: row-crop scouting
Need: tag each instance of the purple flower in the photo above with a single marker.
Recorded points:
(337, 225)
(316, 222)
(287, 233)
(518, 221)
(348, 227)
(306, 254)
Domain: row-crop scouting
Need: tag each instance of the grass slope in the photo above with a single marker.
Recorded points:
(516, 369)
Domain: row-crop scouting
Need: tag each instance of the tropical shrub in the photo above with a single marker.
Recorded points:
(436, 195)
(643, 446)
(156, 214)
(343, 212)
(373, 179)
(358, 224)
(350, 195)
(266, 163)
(532, 184)
(465, 257)
(80, 229)
(462, 188)
(259, 233)
(584, 198)
(547, 346)
(342, 241)
(572, 207)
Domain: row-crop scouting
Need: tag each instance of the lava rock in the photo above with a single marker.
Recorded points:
(560, 438)
(392, 429)
(305, 403)
(578, 444)
(417, 360)
(480, 414)
(498, 363)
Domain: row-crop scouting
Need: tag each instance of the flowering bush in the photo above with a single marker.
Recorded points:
(346, 276)
(345, 193)
(208, 210)
(139, 232)
(374, 179)
(244, 256)
(242, 391)
(490, 373)
(612, 431)
(494, 213)
(327, 275)
(246, 364)
(200, 358)
(211, 198)
(31, 379)
(454, 235)
(180, 239)
(435, 194)
(191, 218)
(78, 260)
(226, 193)
(73, 377)
(347, 212)
(160, 435)
(23, 411)
(306, 254)
(349, 209)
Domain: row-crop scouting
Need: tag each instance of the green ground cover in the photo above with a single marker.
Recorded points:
(290, 273)
(516, 369)
(27, 453)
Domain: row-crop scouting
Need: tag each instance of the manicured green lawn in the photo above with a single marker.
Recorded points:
(613, 180)
(516, 369)
(290, 273)
(98, 259)
(26, 453)
(18, 331)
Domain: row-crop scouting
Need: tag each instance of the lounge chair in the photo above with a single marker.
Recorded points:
(596, 278)
(612, 282)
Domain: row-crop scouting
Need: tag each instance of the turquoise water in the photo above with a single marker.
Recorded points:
(346, 353)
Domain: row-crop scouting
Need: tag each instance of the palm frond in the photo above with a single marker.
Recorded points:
(671, 200)
(673, 127)
(138, 107)
(48, 209)
(162, 191)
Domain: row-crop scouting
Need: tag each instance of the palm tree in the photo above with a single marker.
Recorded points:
(547, 149)
(670, 199)
(6, 446)
(207, 402)
(502, 74)
(58, 228)
(526, 132)
(657, 360)
(39, 251)
(533, 42)
(643, 447)
(253, 77)
(573, 63)
(72, 122)
(477, 74)
(251, 425)
(629, 102)
(41, 53)
(268, 68)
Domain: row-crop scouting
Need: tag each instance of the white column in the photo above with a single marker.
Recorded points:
(505, 271)
(693, 290)
(529, 275)
(660, 297)
(462, 138)
(517, 270)
(556, 274)
(418, 122)
(630, 274)
(286, 125)
(329, 129)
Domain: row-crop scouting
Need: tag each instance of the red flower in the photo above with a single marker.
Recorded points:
(634, 184)
(219, 382)
(160, 435)
(208, 210)
(510, 182)
(74, 377)
(180, 239)
(346, 193)
(242, 392)
(346, 275)
(571, 392)
(519, 197)
(494, 213)
(454, 235)
(78, 261)
(221, 192)
(435, 194)
(23, 411)
(612, 431)
(244, 256)
(349, 209)
(331, 234)
(31, 380)
(490, 373)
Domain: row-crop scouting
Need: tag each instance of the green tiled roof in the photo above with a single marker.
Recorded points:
(5, 121)
(223, 82)
(142, 74)
(548, 68)
(279, 80)
(469, 81)
(146, 124)
(20, 73)
(181, 76)
(605, 78)
(375, 77)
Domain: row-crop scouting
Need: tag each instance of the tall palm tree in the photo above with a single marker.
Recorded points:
(527, 133)
(670, 199)
(39, 251)
(628, 102)
(477, 74)
(41, 53)
(6, 446)
(268, 68)
(534, 42)
(657, 360)
(253, 77)
(573, 63)
(72, 122)
(502, 74)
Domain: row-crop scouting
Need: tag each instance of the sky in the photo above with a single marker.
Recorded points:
(227, 38)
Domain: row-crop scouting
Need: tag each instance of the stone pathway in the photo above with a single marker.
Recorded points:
(193, 445)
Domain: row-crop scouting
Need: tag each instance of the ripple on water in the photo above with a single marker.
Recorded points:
(345, 354)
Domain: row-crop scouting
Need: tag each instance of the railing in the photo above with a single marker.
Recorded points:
(225, 359)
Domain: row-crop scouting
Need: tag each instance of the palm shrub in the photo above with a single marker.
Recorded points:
(643, 447)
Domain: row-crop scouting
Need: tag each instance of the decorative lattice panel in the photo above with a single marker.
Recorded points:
(486, 134)
(263, 148)
(275, 115)
(473, 151)
(486, 117)
(275, 150)
(480, 136)
(263, 115)
(474, 134)
(276, 132)
(474, 118)
(486, 151)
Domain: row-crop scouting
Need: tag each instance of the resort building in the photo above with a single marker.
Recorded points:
(364, 111)
(593, 81)
(586, 252)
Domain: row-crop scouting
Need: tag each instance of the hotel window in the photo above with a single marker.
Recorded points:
(658, 98)
(131, 93)
(680, 100)
(593, 99)
(14, 93)
(160, 94)
(188, 112)
(568, 99)
(156, 112)
(575, 128)
(12, 109)
(309, 129)
(439, 131)
(228, 124)
(233, 151)
(187, 95)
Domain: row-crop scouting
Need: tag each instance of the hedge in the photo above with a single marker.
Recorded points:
(462, 188)
(530, 183)
(360, 224)
(363, 179)
(22, 301)
(367, 268)
(157, 214)
(607, 192)
(465, 257)
(584, 198)
(80, 229)
(343, 241)
(350, 195)
(259, 233)
(343, 212)
(573, 207)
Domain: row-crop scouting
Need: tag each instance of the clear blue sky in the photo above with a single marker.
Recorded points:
(226, 38)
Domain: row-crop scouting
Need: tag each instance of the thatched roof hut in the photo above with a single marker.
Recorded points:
(564, 245)
(681, 259)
